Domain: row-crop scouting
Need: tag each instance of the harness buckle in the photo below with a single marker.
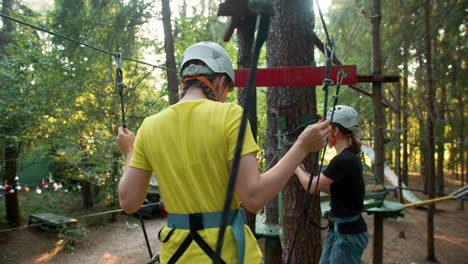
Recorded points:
(196, 222)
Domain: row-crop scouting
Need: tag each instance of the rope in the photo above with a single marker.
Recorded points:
(323, 22)
(82, 43)
(262, 34)
(326, 83)
(78, 217)
(316, 193)
(309, 185)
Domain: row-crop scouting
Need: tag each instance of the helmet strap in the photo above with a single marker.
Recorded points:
(223, 95)
(208, 83)
(334, 139)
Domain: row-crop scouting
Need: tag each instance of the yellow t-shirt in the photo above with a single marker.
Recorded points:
(188, 147)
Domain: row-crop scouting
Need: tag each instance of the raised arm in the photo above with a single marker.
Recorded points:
(255, 189)
(304, 178)
(133, 185)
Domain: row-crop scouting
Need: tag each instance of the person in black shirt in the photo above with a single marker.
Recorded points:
(342, 179)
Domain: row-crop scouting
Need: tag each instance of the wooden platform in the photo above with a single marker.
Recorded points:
(51, 222)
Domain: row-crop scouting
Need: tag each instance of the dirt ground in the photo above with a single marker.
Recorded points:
(123, 241)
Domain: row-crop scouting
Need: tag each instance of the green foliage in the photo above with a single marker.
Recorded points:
(402, 43)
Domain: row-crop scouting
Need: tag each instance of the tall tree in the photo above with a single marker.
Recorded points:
(376, 18)
(172, 81)
(289, 45)
(404, 172)
(440, 109)
(430, 162)
(11, 147)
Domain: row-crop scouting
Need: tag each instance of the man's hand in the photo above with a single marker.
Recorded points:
(314, 137)
(125, 140)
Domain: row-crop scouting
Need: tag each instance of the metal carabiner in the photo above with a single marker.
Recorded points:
(330, 44)
(340, 76)
(118, 59)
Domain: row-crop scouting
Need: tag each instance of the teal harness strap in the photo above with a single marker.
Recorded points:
(213, 220)
(355, 251)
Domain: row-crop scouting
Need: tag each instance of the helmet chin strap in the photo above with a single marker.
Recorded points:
(223, 95)
(204, 80)
(334, 139)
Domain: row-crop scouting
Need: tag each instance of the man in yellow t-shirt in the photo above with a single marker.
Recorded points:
(190, 147)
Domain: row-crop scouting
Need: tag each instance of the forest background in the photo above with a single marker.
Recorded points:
(59, 101)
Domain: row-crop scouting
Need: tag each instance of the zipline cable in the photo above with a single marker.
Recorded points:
(82, 43)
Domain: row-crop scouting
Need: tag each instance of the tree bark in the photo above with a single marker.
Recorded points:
(7, 5)
(11, 148)
(87, 193)
(378, 120)
(289, 45)
(461, 140)
(439, 114)
(430, 133)
(398, 169)
(405, 169)
(12, 152)
(172, 81)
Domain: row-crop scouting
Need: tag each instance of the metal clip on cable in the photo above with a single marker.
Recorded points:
(120, 85)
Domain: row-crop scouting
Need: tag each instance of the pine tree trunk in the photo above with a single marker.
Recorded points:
(462, 145)
(439, 114)
(290, 45)
(430, 134)
(87, 193)
(172, 81)
(12, 152)
(11, 148)
(379, 123)
(398, 145)
(405, 167)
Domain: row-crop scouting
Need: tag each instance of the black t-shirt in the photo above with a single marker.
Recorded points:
(347, 190)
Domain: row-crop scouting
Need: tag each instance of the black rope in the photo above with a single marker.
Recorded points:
(146, 236)
(305, 198)
(326, 83)
(316, 193)
(323, 22)
(82, 43)
(264, 24)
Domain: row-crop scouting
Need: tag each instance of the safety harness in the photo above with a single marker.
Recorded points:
(200, 221)
(355, 251)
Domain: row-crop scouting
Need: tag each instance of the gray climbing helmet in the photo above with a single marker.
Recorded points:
(212, 54)
(346, 116)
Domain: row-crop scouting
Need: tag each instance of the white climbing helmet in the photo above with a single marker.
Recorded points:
(346, 116)
(212, 54)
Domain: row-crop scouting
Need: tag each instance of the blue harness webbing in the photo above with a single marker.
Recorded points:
(355, 251)
(199, 221)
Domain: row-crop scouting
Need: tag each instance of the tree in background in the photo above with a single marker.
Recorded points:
(172, 81)
(11, 145)
(290, 44)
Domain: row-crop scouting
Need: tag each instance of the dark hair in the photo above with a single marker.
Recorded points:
(206, 90)
(354, 143)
